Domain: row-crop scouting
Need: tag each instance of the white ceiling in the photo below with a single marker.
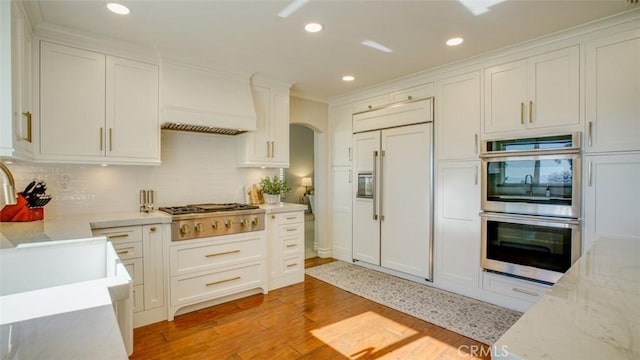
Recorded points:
(249, 37)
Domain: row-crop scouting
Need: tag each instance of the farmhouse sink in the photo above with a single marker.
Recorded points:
(46, 279)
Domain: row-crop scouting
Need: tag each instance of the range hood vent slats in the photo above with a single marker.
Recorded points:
(201, 129)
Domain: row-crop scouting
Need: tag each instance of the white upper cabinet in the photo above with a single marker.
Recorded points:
(340, 125)
(414, 93)
(613, 93)
(268, 145)
(17, 108)
(371, 103)
(458, 117)
(95, 108)
(540, 92)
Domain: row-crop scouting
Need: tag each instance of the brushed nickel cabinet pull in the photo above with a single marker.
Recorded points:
(476, 143)
(291, 217)
(28, 138)
(475, 181)
(101, 139)
(350, 154)
(122, 252)
(291, 245)
(222, 253)
(268, 149)
(115, 236)
(292, 265)
(291, 229)
(110, 139)
(382, 154)
(273, 149)
(590, 133)
(223, 281)
(527, 292)
(373, 193)
(530, 112)
(522, 113)
(350, 176)
(590, 172)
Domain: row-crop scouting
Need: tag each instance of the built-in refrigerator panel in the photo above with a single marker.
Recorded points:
(405, 200)
(392, 227)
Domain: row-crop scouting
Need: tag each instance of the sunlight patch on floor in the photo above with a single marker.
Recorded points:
(363, 334)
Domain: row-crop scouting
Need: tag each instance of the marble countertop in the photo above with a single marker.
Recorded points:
(283, 207)
(592, 312)
(13, 234)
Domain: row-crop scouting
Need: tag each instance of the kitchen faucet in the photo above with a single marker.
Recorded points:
(529, 176)
(9, 187)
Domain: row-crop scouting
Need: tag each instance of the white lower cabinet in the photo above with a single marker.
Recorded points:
(611, 197)
(209, 269)
(286, 248)
(341, 215)
(515, 288)
(457, 230)
(141, 249)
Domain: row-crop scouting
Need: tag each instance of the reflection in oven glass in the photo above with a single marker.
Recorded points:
(530, 245)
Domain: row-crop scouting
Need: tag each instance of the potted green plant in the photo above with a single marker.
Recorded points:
(272, 188)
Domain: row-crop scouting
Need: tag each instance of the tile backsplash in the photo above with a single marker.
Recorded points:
(196, 168)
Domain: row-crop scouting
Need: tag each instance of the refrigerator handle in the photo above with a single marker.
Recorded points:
(381, 191)
(375, 176)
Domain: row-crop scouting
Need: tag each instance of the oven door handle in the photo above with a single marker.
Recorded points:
(541, 220)
(509, 154)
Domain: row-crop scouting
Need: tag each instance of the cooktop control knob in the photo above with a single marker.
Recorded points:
(244, 223)
(199, 227)
(185, 229)
(255, 222)
(228, 223)
(214, 224)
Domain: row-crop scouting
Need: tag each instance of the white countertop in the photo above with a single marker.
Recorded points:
(592, 312)
(283, 207)
(72, 227)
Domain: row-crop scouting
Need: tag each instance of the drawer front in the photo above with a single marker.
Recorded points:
(292, 246)
(371, 103)
(290, 230)
(414, 93)
(138, 298)
(518, 289)
(290, 218)
(135, 270)
(121, 234)
(200, 257)
(128, 250)
(293, 265)
(189, 289)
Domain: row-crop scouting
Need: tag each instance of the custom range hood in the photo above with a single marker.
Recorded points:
(206, 101)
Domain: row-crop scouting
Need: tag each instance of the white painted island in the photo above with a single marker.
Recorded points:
(592, 312)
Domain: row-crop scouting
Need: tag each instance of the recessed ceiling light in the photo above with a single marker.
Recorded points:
(455, 41)
(313, 27)
(348, 78)
(118, 8)
(375, 45)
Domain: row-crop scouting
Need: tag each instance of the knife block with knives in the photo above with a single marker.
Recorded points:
(29, 206)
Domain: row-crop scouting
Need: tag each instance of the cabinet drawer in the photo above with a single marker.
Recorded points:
(199, 257)
(138, 298)
(189, 288)
(292, 246)
(414, 93)
(290, 218)
(519, 289)
(128, 250)
(293, 265)
(121, 234)
(135, 270)
(290, 230)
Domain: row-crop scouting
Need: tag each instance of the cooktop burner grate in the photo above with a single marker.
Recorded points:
(206, 208)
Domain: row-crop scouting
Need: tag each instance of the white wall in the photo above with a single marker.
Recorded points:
(313, 113)
(196, 168)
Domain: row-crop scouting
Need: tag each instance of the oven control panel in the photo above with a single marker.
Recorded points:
(216, 225)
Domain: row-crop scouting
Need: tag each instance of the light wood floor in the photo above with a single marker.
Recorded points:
(311, 320)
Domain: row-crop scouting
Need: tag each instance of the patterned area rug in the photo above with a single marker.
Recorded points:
(469, 317)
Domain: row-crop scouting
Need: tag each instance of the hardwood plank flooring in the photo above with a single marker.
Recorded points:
(311, 320)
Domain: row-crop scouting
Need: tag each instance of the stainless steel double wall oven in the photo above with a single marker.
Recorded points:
(531, 206)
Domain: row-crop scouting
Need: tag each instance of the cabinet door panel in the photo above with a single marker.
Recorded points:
(340, 123)
(554, 89)
(505, 94)
(154, 275)
(72, 101)
(405, 199)
(611, 197)
(258, 141)
(279, 125)
(132, 109)
(458, 225)
(613, 93)
(458, 124)
(341, 216)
